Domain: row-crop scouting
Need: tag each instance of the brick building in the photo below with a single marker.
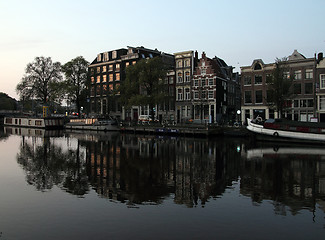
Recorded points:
(254, 86)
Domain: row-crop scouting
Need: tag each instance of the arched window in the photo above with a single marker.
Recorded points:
(258, 66)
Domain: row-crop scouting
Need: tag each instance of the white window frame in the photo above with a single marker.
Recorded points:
(322, 81)
(210, 94)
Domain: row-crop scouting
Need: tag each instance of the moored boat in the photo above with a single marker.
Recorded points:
(294, 130)
(93, 124)
(46, 123)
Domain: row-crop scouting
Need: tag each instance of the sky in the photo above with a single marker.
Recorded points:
(237, 31)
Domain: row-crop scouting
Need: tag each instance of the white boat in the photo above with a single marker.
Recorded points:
(92, 124)
(46, 123)
(278, 128)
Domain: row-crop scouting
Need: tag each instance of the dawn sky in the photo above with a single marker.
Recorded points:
(236, 31)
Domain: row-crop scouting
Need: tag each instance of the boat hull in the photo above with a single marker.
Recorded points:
(277, 134)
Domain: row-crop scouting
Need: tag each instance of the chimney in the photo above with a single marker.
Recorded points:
(320, 56)
(203, 54)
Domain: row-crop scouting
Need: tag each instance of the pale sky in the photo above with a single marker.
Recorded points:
(236, 31)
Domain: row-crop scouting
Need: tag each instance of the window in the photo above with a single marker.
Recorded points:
(286, 75)
(99, 57)
(110, 86)
(187, 94)
(298, 75)
(104, 68)
(308, 88)
(117, 77)
(258, 66)
(258, 79)
(104, 78)
(114, 54)
(104, 89)
(110, 77)
(98, 79)
(196, 95)
(297, 88)
(248, 97)
(98, 90)
(203, 72)
(309, 73)
(92, 91)
(295, 103)
(310, 103)
(196, 82)
(92, 79)
(247, 80)
(127, 64)
(171, 80)
(187, 76)
(179, 64)
(258, 96)
(303, 103)
(269, 78)
(321, 102)
(187, 63)
(179, 77)
(203, 95)
(98, 69)
(179, 94)
(322, 81)
(211, 81)
(106, 56)
(210, 94)
(110, 67)
(203, 82)
(117, 67)
(269, 95)
(134, 62)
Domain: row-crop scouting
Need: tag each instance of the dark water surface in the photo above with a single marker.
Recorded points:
(58, 185)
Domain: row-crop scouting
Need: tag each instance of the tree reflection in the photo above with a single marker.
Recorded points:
(46, 165)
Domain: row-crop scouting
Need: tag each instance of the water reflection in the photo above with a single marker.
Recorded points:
(46, 163)
(292, 176)
(135, 170)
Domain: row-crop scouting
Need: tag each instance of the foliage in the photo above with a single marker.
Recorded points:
(280, 89)
(144, 84)
(6, 102)
(75, 82)
(41, 81)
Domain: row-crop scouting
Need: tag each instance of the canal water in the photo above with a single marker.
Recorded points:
(61, 185)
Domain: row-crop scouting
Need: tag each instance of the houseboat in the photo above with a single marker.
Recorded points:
(92, 124)
(282, 129)
(46, 123)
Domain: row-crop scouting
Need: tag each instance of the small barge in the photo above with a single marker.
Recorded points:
(45, 123)
(92, 124)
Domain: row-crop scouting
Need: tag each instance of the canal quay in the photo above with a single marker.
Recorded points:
(123, 185)
(189, 130)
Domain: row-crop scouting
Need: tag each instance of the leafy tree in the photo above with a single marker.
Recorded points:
(144, 84)
(41, 81)
(76, 80)
(280, 86)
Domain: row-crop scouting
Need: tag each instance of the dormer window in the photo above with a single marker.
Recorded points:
(258, 66)
(99, 57)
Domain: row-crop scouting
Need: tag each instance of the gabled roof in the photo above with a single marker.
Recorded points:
(296, 56)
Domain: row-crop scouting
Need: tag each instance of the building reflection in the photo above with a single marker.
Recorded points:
(146, 170)
(292, 177)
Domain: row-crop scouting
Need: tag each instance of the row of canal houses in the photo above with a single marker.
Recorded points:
(207, 89)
